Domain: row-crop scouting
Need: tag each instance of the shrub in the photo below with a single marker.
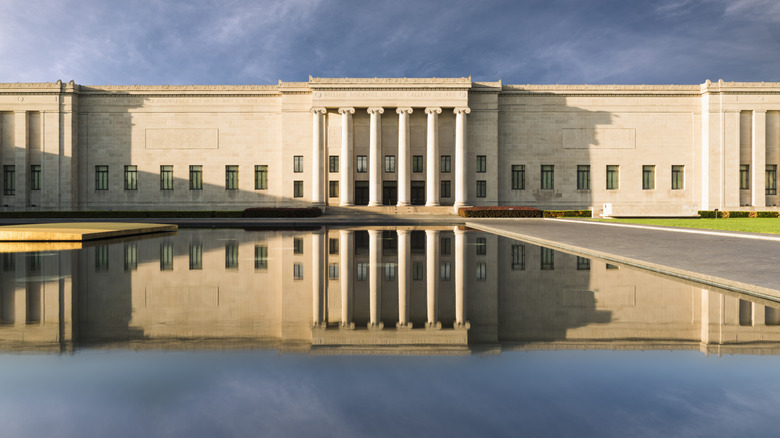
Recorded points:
(283, 212)
(739, 214)
(568, 213)
(766, 214)
(499, 212)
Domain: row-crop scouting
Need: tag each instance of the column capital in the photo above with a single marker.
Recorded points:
(432, 110)
(346, 110)
(378, 110)
(318, 110)
(403, 232)
(462, 110)
(759, 111)
(404, 110)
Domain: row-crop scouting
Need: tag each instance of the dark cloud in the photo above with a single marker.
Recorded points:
(240, 42)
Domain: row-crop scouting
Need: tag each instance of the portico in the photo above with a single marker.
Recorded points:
(396, 175)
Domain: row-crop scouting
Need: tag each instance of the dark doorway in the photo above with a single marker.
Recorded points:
(361, 192)
(418, 193)
(389, 193)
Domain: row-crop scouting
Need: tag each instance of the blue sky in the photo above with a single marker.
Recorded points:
(258, 42)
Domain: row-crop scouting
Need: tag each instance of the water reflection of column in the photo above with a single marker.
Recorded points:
(20, 292)
(346, 251)
(375, 263)
(317, 245)
(460, 278)
(432, 277)
(404, 279)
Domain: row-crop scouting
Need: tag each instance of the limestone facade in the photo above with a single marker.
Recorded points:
(339, 143)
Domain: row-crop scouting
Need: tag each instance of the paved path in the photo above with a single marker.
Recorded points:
(736, 261)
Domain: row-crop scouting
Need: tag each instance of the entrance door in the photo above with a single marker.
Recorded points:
(361, 192)
(418, 192)
(389, 193)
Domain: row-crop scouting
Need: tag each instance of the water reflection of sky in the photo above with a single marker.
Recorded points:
(564, 393)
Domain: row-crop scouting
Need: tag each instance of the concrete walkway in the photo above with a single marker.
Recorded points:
(735, 261)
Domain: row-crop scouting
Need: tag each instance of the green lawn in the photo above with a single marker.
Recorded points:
(752, 225)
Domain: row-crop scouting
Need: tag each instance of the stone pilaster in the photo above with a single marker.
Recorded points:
(346, 175)
(317, 163)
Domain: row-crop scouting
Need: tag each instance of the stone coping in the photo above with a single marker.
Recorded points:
(78, 231)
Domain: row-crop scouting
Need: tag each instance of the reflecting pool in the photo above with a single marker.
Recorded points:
(382, 331)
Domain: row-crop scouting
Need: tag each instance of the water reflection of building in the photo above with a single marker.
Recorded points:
(440, 290)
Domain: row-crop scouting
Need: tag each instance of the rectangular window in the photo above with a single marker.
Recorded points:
(131, 177)
(547, 259)
(648, 177)
(446, 164)
(297, 189)
(481, 245)
(9, 180)
(361, 271)
(166, 177)
(231, 177)
(297, 271)
(261, 177)
(518, 257)
(101, 177)
(389, 163)
(481, 163)
(518, 177)
(333, 246)
(583, 177)
(231, 255)
(333, 189)
(771, 179)
(297, 245)
(131, 256)
(678, 177)
(418, 271)
(166, 256)
(583, 264)
(101, 258)
(390, 271)
(362, 164)
(481, 271)
(445, 246)
(548, 177)
(196, 256)
(481, 189)
(35, 177)
(261, 257)
(446, 189)
(445, 271)
(744, 177)
(333, 163)
(196, 177)
(613, 177)
(333, 271)
(298, 163)
(417, 163)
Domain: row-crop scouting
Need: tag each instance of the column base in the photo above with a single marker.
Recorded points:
(347, 326)
(404, 326)
(375, 325)
(462, 325)
(432, 204)
(374, 204)
(317, 204)
(433, 325)
(403, 204)
(460, 204)
(346, 204)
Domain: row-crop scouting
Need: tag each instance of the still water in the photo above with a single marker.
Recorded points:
(382, 332)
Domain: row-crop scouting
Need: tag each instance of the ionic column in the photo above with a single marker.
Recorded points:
(404, 157)
(404, 278)
(317, 247)
(375, 158)
(758, 192)
(346, 174)
(432, 278)
(460, 157)
(317, 148)
(460, 278)
(346, 256)
(432, 158)
(374, 265)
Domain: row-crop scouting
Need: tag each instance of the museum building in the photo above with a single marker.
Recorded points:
(394, 145)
